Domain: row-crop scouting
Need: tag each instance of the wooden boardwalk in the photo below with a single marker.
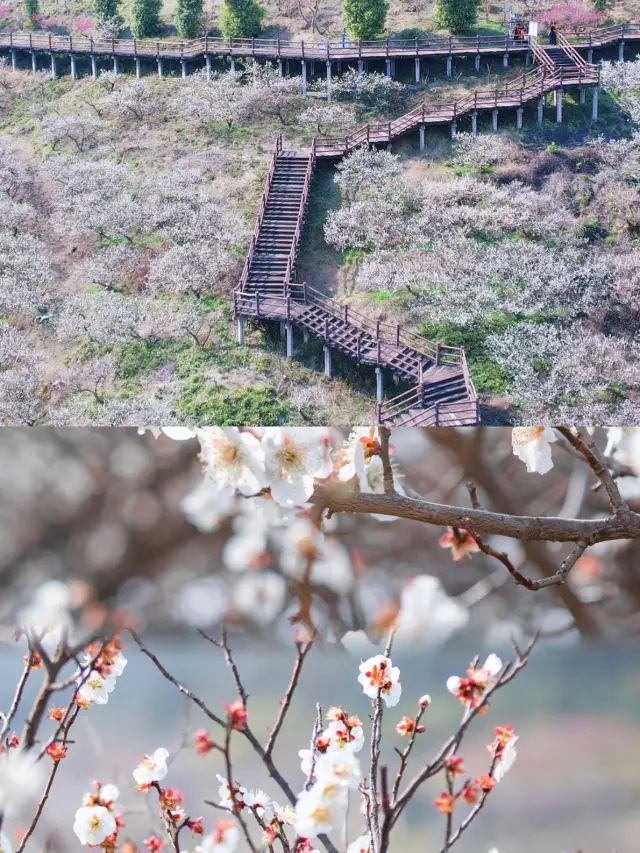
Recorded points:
(442, 393)
(278, 49)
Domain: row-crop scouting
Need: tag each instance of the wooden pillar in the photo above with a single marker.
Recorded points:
(232, 60)
(540, 109)
(519, 113)
(559, 105)
(279, 67)
(454, 128)
(286, 69)
(207, 60)
(449, 65)
(54, 72)
(303, 84)
(621, 52)
(34, 62)
(421, 129)
(328, 81)
(505, 60)
(379, 385)
(94, 67)
(418, 75)
(583, 94)
(183, 64)
(283, 328)
(594, 111)
(477, 62)
(494, 120)
(74, 70)
(116, 69)
(327, 361)
(388, 68)
(360, 66)
(241, 327)
(159, 67)
(527, 59)
(474, 122)
(289, 328)
(138, 68)
(14, 61)
(590, 56)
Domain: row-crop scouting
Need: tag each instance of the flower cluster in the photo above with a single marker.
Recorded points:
(379, 677)
(344, 732)
(97, 821)
(100, 667)
(471, 689)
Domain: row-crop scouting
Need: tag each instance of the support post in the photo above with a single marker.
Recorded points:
(519, 113)
(540, 109)
(241, 327)
(53, 66)
(116, 69)
(505, 60)
(207, 60)
(159, 67)
(328, 81)
(594, 111)
(289, 340)
(279, 67)
(379, 385)
(327, 361)
(388, 68)
(494, 120)
(360, 66)
(305, 335)
(418, 75)
(583, 94)
(138, 68)
(621, 52)
(527, 59)
(94, 67)
(232, 60)
(74, 69)
(421, 129)
(474, 123)
(454, 128)
(590, 56)
(559, 105)
(449, 65)
(477, 62)
(14, 61)
(303, 84)
(34, 62)
(283, 328)
(183, 64)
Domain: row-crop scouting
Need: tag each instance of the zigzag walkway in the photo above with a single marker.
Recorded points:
(442, 393)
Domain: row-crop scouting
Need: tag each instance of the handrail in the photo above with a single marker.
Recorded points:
(570, 50)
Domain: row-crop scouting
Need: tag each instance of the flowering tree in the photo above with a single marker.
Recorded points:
(575, 15)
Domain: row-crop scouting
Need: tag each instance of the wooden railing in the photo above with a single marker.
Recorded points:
(190, 49)
(571, 52)
(293, 254)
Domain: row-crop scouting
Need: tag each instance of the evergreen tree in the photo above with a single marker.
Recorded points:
(457, 15)
(145, 18)
(364, 19)
(106, 10)
(188, 18)
(31, 8)
(241, 18)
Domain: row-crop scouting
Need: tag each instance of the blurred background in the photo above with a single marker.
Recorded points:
(124, 520)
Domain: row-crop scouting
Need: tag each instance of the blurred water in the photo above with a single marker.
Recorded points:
(575, 784)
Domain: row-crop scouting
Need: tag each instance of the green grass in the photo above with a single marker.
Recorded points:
(202, 402)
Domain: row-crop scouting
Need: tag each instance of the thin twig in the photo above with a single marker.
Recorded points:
(588, 448)
(387, 470)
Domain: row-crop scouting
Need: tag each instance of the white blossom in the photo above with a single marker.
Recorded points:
(378, 676)
(152, 768)
(531, 444)
(93, 824)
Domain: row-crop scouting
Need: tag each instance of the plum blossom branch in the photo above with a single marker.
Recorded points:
(588, 448)
(302, 650)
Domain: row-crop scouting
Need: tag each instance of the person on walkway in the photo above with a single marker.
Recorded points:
(553, 34)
